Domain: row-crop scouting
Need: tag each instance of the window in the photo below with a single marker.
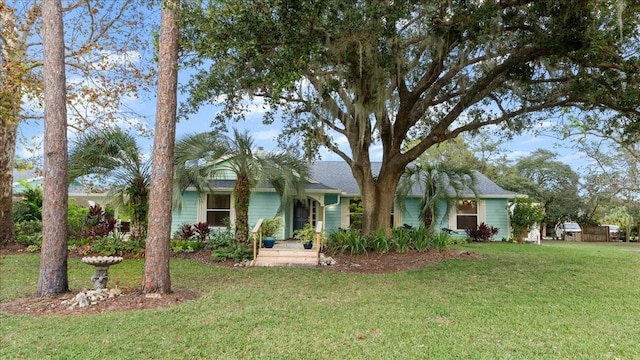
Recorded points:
(355, 214)
(218, 210)
(467, 215)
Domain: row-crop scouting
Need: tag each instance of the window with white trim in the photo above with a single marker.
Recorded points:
(218, 209)
(466, 214)
(355, 213)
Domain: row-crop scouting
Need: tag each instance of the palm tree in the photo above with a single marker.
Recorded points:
(116, 156)
(437, 182)
(202, 157)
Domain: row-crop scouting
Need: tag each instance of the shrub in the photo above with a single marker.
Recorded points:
(202, 231)
(185, 245)
(116, 243)
(377, 241)
(76, 220)
(525, 214)
(29, 234)
(422, 239)
(186, 232)
(482, 232)
(221, 238)
(99, 223)
(401, 239)
(441, 241)
(234, 251)
(30, 208)
(346, 241)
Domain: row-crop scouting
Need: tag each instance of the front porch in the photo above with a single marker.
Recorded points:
(285, 252)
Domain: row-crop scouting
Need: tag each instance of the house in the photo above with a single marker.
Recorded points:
(77, 192)
(332, 197)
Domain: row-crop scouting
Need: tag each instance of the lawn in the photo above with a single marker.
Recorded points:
(555, 301)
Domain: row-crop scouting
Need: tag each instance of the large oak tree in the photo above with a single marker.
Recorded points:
(378, 72)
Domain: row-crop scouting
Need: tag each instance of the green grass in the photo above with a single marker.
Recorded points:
(556, 301)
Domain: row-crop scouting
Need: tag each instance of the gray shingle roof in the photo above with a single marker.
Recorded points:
(331, 176)
(337, 174)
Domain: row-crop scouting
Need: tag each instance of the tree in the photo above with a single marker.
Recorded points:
(553, 183)
(53, 255)
(437, 182)
(105, 56)
(202, 157)
(375, 72)
(156, 263)
(620, 216)
(115, 156)
(614, 171)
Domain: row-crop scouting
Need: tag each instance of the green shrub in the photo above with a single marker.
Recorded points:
(30, 207)
(234, 251)
(441, 241)
(29, 233)
(377, 241)
(185, 245)
(76, 220)
(346, 241)
(221, 238)
(116, 243)
(401, 239)
(420, 239)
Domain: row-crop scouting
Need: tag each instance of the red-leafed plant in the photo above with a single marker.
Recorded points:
(202, 231)
(482, 232)
(186, 232)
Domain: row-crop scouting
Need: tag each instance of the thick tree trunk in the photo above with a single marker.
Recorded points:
(242, 192)
(8, 132)
(377, 195)
(53, 259)
(156, 277)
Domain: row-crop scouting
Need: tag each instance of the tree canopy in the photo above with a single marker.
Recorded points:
(379, 73)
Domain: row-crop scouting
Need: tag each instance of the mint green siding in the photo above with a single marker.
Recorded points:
(332, 218)
(187, 213)
(496, 216)
(264, 205)
(441, 218)
(411, 215)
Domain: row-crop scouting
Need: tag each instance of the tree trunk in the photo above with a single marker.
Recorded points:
(156, 277)
(8, 131)
(242, 192)
(13, 77)
(377, 197)
(53, 259)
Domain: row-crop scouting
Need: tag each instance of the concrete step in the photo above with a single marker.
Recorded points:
(286, 257)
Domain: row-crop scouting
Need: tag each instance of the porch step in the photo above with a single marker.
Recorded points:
(286, 257)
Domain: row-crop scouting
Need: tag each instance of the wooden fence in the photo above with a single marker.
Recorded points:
(597, 234)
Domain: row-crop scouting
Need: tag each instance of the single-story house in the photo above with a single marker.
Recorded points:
(332, 197)
(77, 192)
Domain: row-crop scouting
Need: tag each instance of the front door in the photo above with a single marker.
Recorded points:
(301, 213)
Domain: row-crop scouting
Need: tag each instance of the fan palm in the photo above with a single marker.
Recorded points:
(202, 157)
(115, 155)
(436, 182)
